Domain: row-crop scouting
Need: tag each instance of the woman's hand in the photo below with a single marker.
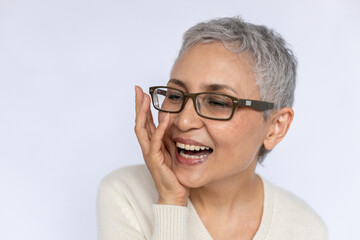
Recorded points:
(156, 156)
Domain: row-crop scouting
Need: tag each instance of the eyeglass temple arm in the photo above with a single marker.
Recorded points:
(257, 105)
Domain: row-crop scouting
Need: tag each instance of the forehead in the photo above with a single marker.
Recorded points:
(212, 64)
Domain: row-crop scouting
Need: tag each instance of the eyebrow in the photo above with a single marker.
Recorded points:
(177, 82)
(211, 87)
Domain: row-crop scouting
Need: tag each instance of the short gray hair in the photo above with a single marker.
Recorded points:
(274, 63)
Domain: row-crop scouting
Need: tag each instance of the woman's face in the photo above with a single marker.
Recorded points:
(233, 144)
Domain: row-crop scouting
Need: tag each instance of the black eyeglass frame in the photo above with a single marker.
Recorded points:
(237, 102)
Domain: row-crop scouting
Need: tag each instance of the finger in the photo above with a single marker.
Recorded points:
(140, 126)
(167, 157)
(139, 95)
(148, 129)
(159, 133)
(151, 122)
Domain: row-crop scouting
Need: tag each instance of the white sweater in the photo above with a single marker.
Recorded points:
(127, 210)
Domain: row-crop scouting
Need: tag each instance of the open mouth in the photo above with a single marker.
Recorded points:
(195, 152)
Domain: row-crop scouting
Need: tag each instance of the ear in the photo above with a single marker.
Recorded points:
(279, 124)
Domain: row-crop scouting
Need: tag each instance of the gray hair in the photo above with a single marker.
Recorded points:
(274, 63)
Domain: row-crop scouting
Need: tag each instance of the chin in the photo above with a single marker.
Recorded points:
(189, 178)
(190, 172)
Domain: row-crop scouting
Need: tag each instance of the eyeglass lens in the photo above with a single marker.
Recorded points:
(207, 104)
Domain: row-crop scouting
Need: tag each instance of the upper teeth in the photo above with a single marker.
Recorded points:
(191, 147)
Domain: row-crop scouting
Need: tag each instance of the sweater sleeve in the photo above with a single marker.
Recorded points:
(119, 219)
(170, 222)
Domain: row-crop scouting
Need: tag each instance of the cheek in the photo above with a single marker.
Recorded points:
(243, 136)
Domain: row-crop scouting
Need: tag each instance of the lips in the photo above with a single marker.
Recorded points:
(190, 152)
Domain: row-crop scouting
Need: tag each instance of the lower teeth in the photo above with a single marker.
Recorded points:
(191, 156)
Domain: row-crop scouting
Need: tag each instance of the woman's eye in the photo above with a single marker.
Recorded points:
(218, 104)
(174, 97)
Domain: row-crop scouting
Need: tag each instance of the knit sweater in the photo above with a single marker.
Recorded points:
(127, 210)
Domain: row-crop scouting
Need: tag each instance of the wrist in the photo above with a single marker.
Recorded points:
(175, 202)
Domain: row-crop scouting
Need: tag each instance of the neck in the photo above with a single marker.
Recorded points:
(239, 193)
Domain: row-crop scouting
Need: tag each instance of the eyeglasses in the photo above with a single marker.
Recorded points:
(209, 105)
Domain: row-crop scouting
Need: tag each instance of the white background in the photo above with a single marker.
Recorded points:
(67, 75)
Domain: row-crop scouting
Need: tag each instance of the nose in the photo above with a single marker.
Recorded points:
(188, 118)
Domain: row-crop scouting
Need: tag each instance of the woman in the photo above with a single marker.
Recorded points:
(226, 105)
